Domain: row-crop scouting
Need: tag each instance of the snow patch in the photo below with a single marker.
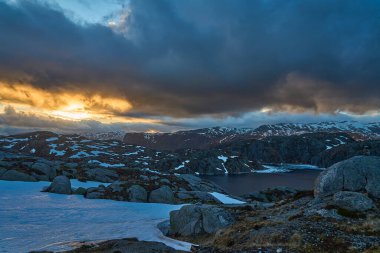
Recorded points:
(63, 215)
(225, 199)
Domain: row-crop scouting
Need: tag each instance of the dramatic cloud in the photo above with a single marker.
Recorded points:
(188, 59)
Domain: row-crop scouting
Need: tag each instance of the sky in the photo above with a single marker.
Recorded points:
(166, 65)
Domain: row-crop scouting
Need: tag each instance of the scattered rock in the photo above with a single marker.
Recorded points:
(198, 219)
(162, 195)
(61, 185)
(45, 169)
(137, 193)
(80, 191)
(14, 175)
(352, 201)
(94, 193)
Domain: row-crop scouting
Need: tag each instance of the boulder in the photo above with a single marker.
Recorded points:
(95, 192)
(80, 191)
(162, 195)
(358, 174)
(44, 169)
(137, 193)
(61, 185)
(14, 175)
(198, 219)
(352, 201)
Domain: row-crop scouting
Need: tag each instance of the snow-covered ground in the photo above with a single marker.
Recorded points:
(32, 220)
(225, 199)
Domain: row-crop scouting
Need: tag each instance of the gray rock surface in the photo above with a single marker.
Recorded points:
(162, 195)
(360, 173)
(352, 201)
(61, 185)
(14, 175)
(137, 193)
(198, 184)
(94, 193)
(198, 219)
(45, 169)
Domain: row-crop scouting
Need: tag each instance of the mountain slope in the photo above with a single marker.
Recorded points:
(213, 137)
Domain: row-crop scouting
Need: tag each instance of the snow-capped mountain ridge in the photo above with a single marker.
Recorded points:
(209, 137)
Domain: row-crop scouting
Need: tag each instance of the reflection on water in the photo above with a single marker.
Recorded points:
(246, 183)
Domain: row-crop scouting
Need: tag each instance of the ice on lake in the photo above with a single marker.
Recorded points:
(32, 220)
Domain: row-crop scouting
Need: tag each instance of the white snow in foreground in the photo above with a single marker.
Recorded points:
(226, 199)
(32, 220)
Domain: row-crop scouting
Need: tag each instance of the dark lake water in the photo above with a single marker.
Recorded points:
(246, 183)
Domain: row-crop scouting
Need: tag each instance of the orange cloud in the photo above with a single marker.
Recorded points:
(67, 105)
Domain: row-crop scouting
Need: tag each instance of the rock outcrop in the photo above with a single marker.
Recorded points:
(61, 185)
(357, 174)
(14, 175)
(352, 201)
(162, 195)
(137, 193)
(198, 219)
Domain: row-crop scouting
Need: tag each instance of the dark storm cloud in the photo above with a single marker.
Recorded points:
(191, 58)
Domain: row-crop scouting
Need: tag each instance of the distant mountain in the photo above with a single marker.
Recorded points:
(192, 139)
(356, 129)
(215, 136)
(117, 135)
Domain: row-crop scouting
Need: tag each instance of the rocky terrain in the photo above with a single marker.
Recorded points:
(341, 215)
(241, 156)
(212, 137)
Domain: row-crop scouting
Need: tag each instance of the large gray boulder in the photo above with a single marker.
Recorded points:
(61, 185)
(137, 193)
(45, 169)
(14, 175)
(198, 219)
(358, 174)
(352, 201)
(162, 195)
